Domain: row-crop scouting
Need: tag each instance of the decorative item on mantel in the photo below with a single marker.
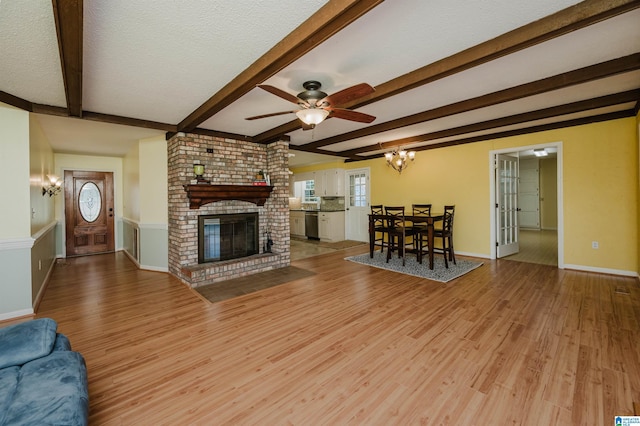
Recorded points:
(261, 179)
(198, 170)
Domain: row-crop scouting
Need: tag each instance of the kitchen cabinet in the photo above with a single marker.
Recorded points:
(331, 226)
(296, 223)
(329, 182)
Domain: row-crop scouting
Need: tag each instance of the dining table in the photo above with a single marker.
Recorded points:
(428, 220)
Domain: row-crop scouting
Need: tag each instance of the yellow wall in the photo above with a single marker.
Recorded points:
(131, 184)
(601, 190)
(153, 181)
(14, 161)
(41, 165)
(549, 193)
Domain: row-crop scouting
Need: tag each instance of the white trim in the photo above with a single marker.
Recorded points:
(16, 314)
(130, 221)
(560, 195)
(46, 229)
(17, 243)
(44, 285)
(161, 226)
(130, 256)
(602, 270)
(466, 253)
(154, 268)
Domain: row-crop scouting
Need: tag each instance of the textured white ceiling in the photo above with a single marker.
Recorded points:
(160, 60)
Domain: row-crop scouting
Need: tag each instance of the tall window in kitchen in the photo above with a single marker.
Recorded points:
(358, 190)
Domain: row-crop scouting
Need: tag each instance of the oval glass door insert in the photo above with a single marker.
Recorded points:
(90, 202)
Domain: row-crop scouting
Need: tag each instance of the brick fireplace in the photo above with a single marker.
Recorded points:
(226, 162)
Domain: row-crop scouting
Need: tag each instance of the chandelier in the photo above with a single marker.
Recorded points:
(399, 159)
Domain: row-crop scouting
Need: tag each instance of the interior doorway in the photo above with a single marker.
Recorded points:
(89, 223)
(539, 227)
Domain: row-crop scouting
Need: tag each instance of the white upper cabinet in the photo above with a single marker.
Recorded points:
(329, 182)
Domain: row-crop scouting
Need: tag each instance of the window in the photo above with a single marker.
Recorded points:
(309, 192)
(306, 191)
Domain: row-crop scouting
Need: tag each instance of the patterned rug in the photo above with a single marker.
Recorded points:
(412, 267)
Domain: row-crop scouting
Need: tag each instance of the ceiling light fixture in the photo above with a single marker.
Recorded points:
(540, 152)
(399, 159)
(312, 116)
(54, 187)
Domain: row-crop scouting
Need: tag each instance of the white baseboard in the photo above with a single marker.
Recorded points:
(16, 314)
(602, 270)
(466, 253)
(130, 256)
(44, 285)
(154, 268)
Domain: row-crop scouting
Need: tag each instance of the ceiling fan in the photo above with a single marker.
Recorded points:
(316, 105)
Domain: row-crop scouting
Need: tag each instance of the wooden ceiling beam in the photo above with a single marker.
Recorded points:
(567, 20)
(126, 121)
(571, 78)
(516, 132)
(69, 28)
(556, 111)
(330, 19)
(15, 101)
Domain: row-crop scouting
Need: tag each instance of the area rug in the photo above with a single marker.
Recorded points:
(412, 267)
(240, 286)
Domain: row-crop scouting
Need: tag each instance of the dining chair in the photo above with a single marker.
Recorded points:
(420, 239)
(379, 227)
(446, 236)
(397, 232)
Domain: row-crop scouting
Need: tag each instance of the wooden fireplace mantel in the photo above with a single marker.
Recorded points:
(201, 194)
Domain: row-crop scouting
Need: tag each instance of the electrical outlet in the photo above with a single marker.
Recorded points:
(595, 245)
(39, 265)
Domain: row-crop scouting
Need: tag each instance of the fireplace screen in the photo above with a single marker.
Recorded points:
(227, 236)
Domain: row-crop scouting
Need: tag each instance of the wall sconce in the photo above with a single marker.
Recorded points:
(54, 187)
(399, 159)
(198, 170)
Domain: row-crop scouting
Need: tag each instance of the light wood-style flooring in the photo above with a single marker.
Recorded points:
(509, 343)
(537, 246)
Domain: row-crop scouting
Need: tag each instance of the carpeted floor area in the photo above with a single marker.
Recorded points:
(240, 286)
(412, 267)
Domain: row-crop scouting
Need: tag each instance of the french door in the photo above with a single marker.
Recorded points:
(88, 212)
(507, 205)
(357, 209)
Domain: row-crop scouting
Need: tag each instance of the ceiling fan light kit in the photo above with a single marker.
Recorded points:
(311, 117)
(315, 105)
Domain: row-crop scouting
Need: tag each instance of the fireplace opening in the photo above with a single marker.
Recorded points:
(227, 236)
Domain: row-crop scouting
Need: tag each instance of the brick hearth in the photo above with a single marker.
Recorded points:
(232, 162)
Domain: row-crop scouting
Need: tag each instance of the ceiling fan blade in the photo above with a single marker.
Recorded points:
(282, 94)
(273, 114)
(347, 114)
(348, 94)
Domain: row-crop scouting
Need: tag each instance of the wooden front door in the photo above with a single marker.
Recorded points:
(88, 212)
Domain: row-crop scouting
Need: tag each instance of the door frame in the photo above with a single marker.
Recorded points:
(492, 195)
(116, 219)
(347, 193)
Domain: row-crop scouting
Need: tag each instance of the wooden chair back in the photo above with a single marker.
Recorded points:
(395, 217)
(421, 209)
